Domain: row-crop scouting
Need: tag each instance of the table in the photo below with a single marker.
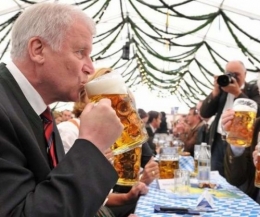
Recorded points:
(232, 207)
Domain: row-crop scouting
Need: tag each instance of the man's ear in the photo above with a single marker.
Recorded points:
(35, 49)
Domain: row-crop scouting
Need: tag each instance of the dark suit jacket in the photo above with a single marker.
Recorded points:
(150, 139)
(203, 134)
(77, 187)
(240, 171)
(214, 106)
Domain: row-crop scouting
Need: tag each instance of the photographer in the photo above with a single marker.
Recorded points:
(226, 89)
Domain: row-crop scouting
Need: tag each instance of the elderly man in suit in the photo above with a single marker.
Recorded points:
(51, 46)
(219, 100)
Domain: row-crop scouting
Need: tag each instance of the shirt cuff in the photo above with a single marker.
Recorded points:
(237, 151)
(107, 197)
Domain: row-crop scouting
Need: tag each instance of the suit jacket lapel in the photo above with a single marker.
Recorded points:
(34, 120)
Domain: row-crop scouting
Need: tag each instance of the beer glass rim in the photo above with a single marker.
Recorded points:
(111, 75)
(252, 102)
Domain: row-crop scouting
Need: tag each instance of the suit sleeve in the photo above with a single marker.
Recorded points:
(241, 170)
(209, 106)
(236, 167)
(77, 187)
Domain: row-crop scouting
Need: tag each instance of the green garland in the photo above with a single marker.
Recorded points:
(180, 79)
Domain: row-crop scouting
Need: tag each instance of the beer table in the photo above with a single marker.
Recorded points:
(232, 207)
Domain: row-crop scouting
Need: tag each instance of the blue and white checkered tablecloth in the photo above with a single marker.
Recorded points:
(186, 163)
(231, 207)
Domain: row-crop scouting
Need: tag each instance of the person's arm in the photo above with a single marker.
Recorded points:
(209, 106)
(240, 168)
(150, 172)
(190, 141)
(78, 185)
(117, 199)
(236, 167)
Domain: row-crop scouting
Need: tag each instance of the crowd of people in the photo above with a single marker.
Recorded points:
(61, 166)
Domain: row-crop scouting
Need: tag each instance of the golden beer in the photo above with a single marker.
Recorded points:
(241, 130)
(128, 166)
(257, 172)
(196, 163)
(167, 168)
(112, 86)
(179, 144)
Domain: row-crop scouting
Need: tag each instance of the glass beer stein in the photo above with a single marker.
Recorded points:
(240, 132)
(168, 162)
(128, 166)
(257, 169)
(113, 87)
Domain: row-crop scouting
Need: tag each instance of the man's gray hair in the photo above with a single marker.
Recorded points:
(50, 21)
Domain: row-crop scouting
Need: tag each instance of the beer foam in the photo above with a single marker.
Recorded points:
(113, 85)
(244, 108)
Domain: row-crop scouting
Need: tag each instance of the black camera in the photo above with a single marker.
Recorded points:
(225, 80)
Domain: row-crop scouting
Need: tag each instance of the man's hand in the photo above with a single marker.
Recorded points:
(226, 119)
(137, 190)
(255, 153)
(100, 125)
(216, 90)
(151, 172)
(232, 88)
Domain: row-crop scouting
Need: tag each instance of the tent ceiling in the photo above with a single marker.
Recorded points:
(176, 46)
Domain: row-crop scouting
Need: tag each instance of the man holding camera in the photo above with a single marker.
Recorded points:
(227, 88)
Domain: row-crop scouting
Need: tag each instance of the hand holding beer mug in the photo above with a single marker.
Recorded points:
(113, 87)
(256, 158)
(240, 132)
(168, 162)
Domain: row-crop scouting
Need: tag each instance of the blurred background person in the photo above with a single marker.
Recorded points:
(163, 128)
(203, 131)
(194, 121)
(66, 115)
(153, 123)
(57, 116)
(180, 127)
(219, 100)
(143, 115)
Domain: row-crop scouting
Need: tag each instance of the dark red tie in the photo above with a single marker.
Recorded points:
(48, 131)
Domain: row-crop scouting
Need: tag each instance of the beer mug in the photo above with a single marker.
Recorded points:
(257, 169)
(113, 87)
(181, 181)
(128, 166)
(241, 130)
(179, 144)
(168, 162)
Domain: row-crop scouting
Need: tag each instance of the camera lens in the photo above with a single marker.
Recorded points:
(224, 80)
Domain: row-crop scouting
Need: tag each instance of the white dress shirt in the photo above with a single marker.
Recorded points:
(33, 97)
(69, 132)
